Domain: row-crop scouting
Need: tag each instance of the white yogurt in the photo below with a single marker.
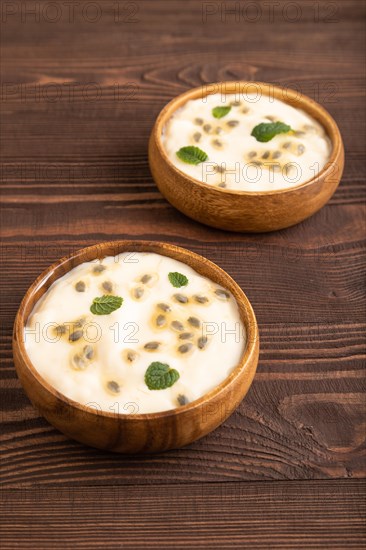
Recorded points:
(236, 160)
(100, 361)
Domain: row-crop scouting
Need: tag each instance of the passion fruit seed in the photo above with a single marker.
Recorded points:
(88, 352)
(235, 103)
(138, 292)
(80, 322)
(218, 130)
(198, 121)
(107, 286)
(97, 269)
(145, 278)
(185, 348)
(271, 118)
(164, 307)
(181, 298)
(220, 169)
(299, 133)
(60, 329)
(217, 143)
(207, 128)
(76, 335)
(222, 294)
(79, 362)
(200, 299)
(276, 155)
(233, 123)
(160, 320)
(252, 154)
(266, 155)
(197, 136)
(185, 336)
(113, 386)
(245, 110)
(152, 346)
(202, 342)
(177, 325)
(80, 286)
(222, 185)
(309, 128)
(131, 355)
(182, 399)
(286, 145)
(194, 322)
(301, 149)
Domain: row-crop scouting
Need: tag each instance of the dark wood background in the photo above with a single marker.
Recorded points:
(79, 95)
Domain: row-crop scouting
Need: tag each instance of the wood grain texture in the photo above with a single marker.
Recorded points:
(75, 172)
(212, 515)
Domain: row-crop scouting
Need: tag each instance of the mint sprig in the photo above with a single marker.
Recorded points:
(191, 155)
(266, 131)
(104, 305)
(219, 112)
(177, 279)
(160, 376)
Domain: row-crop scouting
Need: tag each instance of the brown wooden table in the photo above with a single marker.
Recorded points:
(81, 88)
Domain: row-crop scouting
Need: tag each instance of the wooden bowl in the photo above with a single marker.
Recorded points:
(136, 432)
(242, 210)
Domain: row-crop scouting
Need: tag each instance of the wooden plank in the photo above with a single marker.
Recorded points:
(109, 96)
(316, 267)
(280, 515)
(302, 419)
(303, 416)
(78, 100)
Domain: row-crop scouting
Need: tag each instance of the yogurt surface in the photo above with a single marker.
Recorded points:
(101, 360)
(235, 159)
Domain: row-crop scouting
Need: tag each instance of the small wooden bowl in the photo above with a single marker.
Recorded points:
(242, 210)
(136, 432)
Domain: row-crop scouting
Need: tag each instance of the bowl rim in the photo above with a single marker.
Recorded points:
(244, 306)
(334, 134)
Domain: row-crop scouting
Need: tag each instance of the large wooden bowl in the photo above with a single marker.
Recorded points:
(241, 210)
(136, 432)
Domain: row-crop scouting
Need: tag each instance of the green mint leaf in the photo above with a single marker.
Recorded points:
(160, 376)
(266, 131)
(177, 279)
(191, 155)
(219, 112)
(104, 305)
